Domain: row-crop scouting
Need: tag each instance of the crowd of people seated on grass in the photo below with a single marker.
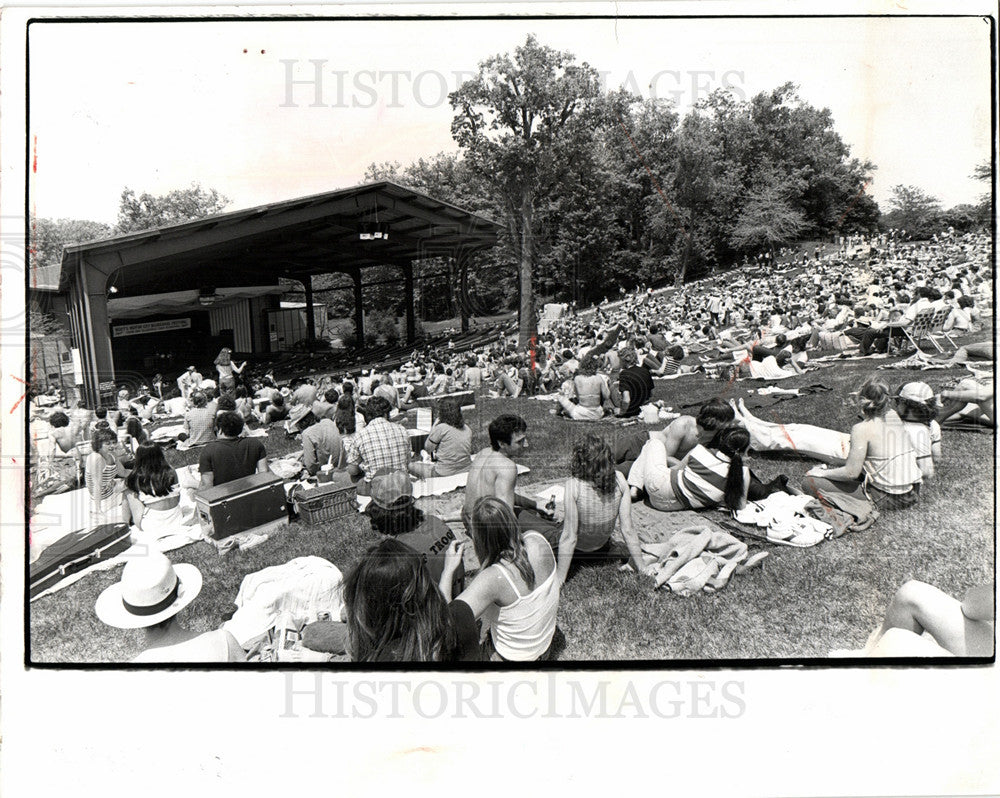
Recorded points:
(525, 555)
(598, 365)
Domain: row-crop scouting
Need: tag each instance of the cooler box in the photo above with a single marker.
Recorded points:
(242, 505)
(463, 397)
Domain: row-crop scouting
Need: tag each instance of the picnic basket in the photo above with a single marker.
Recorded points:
(325, 502)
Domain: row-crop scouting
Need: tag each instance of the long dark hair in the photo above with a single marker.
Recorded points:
(495, 537)
(134, 428)
(733, 441)
(152, 473)
(593, 462)
(402, 517)
(394, 609)
(345, 421)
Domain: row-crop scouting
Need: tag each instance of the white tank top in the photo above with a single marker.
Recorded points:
(523, 630)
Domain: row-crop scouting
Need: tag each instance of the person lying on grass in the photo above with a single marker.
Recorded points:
(596, 499)
(518, 584)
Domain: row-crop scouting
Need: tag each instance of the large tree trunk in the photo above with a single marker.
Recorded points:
(526, 312)
(685, 260)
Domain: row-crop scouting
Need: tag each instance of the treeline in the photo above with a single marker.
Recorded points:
(596, 190)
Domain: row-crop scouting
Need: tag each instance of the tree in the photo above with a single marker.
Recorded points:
(49, 236)
(146, 211)
(984, 210)
(694, 187)
(964, 218)
(768, 217)
(915, 211)
(46, 336)
(519, 123)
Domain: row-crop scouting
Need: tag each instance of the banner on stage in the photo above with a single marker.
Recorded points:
(151, 327)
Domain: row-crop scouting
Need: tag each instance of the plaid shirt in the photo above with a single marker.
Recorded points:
(381, 444)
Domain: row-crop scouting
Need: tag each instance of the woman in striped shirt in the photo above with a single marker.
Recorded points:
(708, 476)
(104, 475)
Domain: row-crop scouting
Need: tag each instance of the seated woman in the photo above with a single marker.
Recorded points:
(104, 475)
(276, 410)
(590, 391)
(669, 365)
(393, 612)
(708, 476)
(154, 494)
(64, 435)
(244, 404)
(880, 455)
(150, 596)
(449, 443)
(518, 584)
(960, 628)
(917, 407)
(135, 435)
(199, 420)
(596, 498)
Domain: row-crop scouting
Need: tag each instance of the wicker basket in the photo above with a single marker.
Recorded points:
(326, 502)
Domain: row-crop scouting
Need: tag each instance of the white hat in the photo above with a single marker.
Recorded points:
(151, 590)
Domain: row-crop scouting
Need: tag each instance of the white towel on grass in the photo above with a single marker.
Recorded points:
(302, 587)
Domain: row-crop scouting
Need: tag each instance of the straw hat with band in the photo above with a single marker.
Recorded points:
(151, 590)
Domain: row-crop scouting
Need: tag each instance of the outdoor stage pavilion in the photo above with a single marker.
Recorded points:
(193, 287)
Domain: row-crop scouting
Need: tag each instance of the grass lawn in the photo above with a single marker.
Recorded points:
(799, 603)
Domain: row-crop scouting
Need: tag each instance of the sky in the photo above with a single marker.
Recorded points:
(156, 106)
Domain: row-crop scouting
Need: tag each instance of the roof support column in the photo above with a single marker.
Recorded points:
(411, 327)
(95, 336)
(307, 283)
(359, 310)
(463, 293)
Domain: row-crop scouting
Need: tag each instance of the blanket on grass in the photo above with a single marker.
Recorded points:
(438, 486)
(59, 515)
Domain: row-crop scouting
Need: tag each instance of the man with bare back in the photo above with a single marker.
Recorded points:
(493, 473)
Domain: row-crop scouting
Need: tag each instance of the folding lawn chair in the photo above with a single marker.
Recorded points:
(925, 323)
(937, 328)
